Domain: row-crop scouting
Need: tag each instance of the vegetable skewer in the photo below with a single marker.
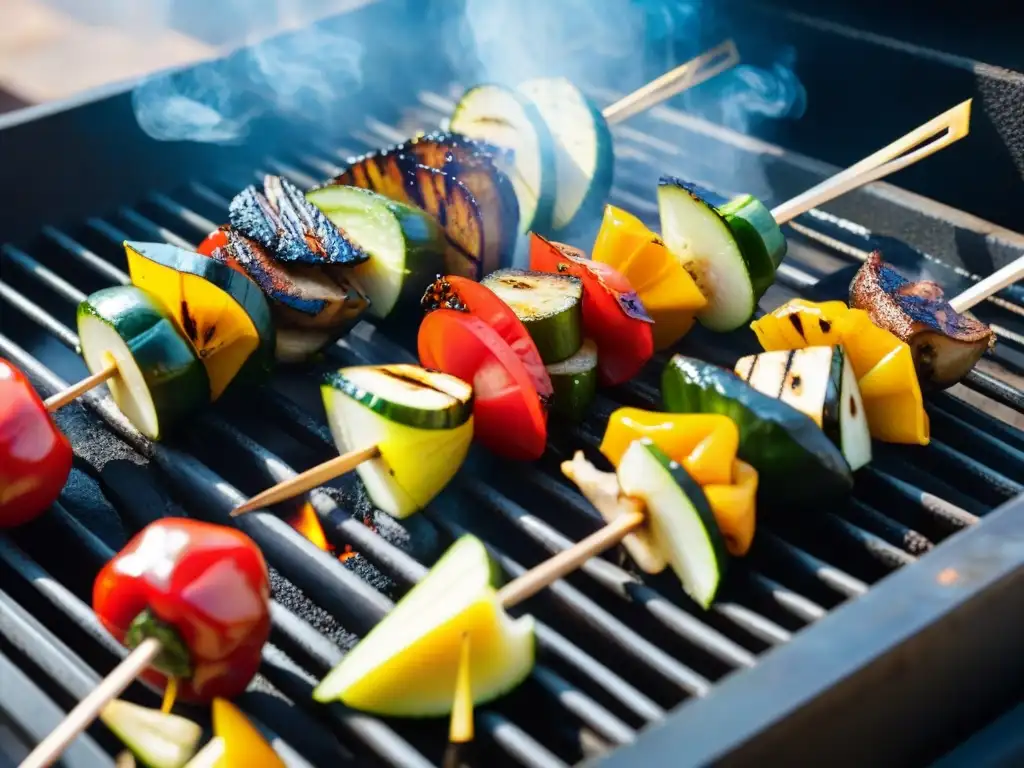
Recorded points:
(733, 251)
(192, 600)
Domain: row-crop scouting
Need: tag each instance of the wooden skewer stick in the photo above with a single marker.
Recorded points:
(568, 560)
(929, 138)
(308, 480)
(694, 72)
(460, 730)
(1001, 278)
(75, 391)
(89, 708)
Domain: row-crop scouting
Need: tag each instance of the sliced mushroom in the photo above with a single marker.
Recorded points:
(602, 490)
(300, 296)
(945, 343)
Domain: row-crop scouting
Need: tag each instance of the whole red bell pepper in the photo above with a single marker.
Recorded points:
(35, 456)
(203, 591)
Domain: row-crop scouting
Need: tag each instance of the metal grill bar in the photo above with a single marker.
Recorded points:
(35, 715)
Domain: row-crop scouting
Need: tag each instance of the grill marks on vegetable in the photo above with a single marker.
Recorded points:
(441, 294)
(820, 383)
(294, 230)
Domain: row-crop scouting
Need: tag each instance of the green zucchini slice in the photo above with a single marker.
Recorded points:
(549, 305)
(727, 273)
(678, 516)
(584, 161)
(818, 382)
(796, 462)
(405, 244)
(406, 666)
(500, 116)
(756, 230)
(160, 379)
(157, 739)
(420, 421)
(574, 381)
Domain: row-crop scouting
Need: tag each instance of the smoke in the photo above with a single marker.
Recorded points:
(613, 44)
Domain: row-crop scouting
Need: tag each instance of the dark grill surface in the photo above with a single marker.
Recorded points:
(617, 651)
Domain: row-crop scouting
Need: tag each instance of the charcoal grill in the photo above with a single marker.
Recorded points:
(883, 629)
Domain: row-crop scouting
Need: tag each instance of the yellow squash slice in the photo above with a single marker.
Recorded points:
(221, 312)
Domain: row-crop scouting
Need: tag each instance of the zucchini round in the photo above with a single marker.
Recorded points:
(755, 227)
(406, 666)
(405, 244)
(157, 739)
(160, 379)
(421, 422)
(584, 160)
(548, 305)
(222, 313)
(574, 382)
(679, 517)
(727, 273)
(501, 117)
(795, 460)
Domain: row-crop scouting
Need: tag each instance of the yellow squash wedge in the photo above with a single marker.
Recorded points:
(222, 313)
(665, 288)
(882, 363)
(406, 666)
(705, 445)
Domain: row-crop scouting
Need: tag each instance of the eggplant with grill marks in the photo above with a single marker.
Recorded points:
(291, 228)
(441, 194)
(473, 163)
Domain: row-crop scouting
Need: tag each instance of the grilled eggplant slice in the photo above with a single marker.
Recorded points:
(819, 382)
(945, 343)
(473, 164)
(442, 195)
(301, 296)
(294, 230)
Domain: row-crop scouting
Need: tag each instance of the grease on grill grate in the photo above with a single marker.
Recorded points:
(616, 650)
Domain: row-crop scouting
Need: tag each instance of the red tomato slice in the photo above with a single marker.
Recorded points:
(213, 241)
(463, 294)
(508, 418)
(612, 313)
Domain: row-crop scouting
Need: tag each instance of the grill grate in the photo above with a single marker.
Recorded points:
(617, 652)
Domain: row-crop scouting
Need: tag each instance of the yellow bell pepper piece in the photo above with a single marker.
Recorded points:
(244, 746)
(668, 293)
(888, 386)
(218, 328)
(705, 444)
(734, 507)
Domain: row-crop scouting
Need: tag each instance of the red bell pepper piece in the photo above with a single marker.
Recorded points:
(508, 417)
(216, 239)
(465, 295)
(612, 313)
(35, 456)
(203, 591)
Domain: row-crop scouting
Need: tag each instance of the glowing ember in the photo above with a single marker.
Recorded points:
(306, 522)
